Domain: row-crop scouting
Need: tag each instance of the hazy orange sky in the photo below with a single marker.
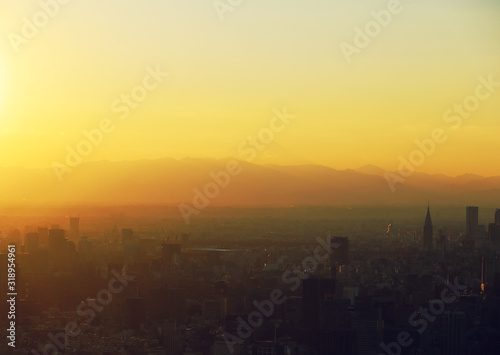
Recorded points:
(226, 77)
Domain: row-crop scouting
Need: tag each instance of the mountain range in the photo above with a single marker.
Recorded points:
(169, 181)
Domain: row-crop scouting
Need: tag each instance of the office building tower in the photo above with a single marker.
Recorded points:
(85, 249)
(169, 252)
(493, 232)
(127, 235)
(74, 228)
(490, 273)
(428, 232)
(57, 241)
(471, 221)
(315, 291)
(452, 326)
(340, 257)
(167, 303)
(497, 217)
(133, 313)
(43, 237)
(30, 242)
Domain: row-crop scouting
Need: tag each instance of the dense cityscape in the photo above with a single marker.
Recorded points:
(424, 291)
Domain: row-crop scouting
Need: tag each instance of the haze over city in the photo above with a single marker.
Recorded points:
(236, 177)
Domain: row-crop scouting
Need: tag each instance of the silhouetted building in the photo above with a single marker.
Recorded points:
(314, 292)
(428, 231)
(493, 231)
(127, 235)
(134, 314)
(115, 234)
(85, 249)
(172, 339)
(43, 237)
(442, 243)
(338, 341)
(167, 303)
(74, 228)
(57, 241)
(169, 252)
(471, 221)
(497, 217)
(452, 329)
(31, 242)
(489, 273)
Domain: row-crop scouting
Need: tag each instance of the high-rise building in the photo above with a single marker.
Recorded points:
(314, 292)
(85, 249)
(471, 221)
(493, 232)
(115, 235)
(490, 273)
(133, 312)
(74, 228)
(127, 235)
(167, 303)
(43, 237)
(169, 251)
(57, 241)
(453, 327)
(428, 231)
(497, 217)
(340, 257)
(30, 242)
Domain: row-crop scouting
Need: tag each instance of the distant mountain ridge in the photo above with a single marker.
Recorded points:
(170, 181)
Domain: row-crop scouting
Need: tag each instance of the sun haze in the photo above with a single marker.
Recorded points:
(366, 106)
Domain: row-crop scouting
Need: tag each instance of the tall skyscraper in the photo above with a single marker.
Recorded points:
(471, 221)
(453, 326)
(497, 217)
(340, 256)
(314, 292)
(43, 237)
(494, 231)
(74, 228)
(31, 242)
(57, 240)
(127, 235)
(490, 273)
(428, 231)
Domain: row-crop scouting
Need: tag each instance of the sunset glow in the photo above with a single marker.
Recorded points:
(227, 77)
